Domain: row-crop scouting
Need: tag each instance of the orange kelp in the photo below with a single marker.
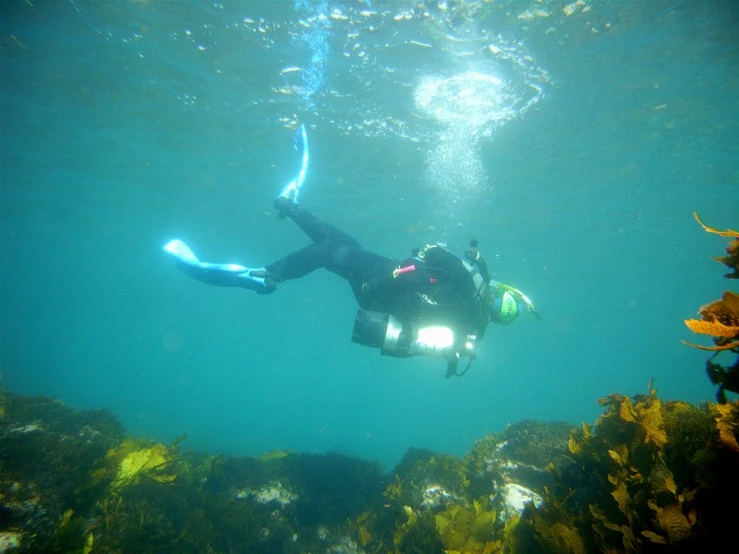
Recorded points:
(720, 320)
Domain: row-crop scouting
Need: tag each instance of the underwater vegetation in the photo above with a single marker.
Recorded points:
(720, 320)
(650, 475)
(72, 481)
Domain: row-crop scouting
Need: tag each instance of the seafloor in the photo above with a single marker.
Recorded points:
(649, 476)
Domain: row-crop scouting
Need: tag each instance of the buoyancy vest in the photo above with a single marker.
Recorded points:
(435, 286)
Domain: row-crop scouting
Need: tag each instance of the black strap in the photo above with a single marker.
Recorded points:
(453, 362)
(451, 365)
(466, 369)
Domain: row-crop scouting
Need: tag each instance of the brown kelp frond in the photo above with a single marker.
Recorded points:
(720, 320)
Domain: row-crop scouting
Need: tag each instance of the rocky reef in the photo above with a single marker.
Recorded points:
(72, 481)
(648, 476)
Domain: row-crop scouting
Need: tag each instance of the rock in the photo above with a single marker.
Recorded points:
(514, 497)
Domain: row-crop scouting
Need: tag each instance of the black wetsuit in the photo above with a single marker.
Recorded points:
(439, 290)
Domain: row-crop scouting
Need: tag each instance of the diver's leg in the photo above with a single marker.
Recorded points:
(332, 249)
(298, 264)
(316, 229)
(350, 261)
(358, 266)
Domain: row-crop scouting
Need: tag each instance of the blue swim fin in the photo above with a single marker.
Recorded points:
(292, 190)
(221, 275)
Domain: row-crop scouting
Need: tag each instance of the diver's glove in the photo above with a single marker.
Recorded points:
(221, 275)
(291, 192)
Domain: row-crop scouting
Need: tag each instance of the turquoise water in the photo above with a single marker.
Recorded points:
(573, 140)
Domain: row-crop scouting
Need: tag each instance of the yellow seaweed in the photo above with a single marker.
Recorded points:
(622, 497)
(146, 461)
(469, 531)
(560, 538)
(88, 544)
(126, 465)
(726, 423)
(709, 229)
(650, 414)
(626, 410)
(712, 327)
(672, 520)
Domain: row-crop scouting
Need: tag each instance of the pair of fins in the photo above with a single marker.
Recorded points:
(235, 275)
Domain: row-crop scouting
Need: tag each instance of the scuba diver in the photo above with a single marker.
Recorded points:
(433, 303)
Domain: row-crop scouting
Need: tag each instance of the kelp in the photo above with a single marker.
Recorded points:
(731, 260)
(468, 530)
(645, 477)
(133, 461)
(720, 320)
